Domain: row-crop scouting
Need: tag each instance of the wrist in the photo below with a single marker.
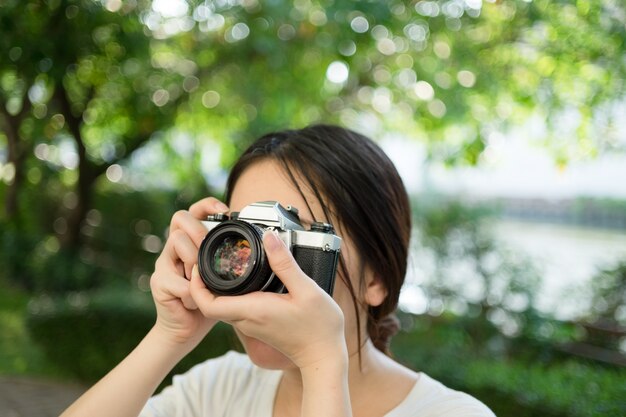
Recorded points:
(325, 386)
(335, 362)
(174, 345)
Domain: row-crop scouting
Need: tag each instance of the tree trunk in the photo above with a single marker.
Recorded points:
(15, 158)
(17, 152)
(87, 175)
(72, 239)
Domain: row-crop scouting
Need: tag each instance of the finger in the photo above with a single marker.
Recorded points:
(199, 292)
(206, 206)
(175, 287)
(168, 261)
(179, 254)
(224, 308)
(183, 249)
(283, 264)
(185, 221)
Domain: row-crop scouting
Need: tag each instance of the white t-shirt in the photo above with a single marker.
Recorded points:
(232, 386)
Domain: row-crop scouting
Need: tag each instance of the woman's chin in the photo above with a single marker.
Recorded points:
(264, 355)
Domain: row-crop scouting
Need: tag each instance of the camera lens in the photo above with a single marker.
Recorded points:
(231, 259)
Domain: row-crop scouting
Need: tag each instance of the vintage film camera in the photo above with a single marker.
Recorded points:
(232, 260)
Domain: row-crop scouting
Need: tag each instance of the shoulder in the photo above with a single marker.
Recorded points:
(430, 398)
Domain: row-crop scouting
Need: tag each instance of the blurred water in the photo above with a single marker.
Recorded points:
(569, 257)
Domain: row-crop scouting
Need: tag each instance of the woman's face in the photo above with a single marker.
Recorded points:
(266, 181)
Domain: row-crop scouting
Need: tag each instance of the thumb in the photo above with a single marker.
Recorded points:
(282, 262)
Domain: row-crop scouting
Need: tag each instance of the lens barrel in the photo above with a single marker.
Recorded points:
(232, 261)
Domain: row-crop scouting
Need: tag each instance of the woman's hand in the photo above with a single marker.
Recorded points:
(305, 324)
(178, 317)
(179, 326)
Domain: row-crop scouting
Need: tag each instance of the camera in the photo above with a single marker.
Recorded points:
(232, 260)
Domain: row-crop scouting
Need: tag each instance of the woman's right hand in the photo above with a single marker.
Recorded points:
(178, 318)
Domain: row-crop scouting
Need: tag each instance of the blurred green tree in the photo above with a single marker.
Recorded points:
(76, 100)
(85, 84)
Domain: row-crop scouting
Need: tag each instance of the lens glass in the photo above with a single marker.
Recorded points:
(231, 259)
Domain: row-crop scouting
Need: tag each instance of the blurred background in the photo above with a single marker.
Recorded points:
(506, 119)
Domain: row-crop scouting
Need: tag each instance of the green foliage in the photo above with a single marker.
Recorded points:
(607, 321)
(88, 88)
(88, 334)
(446, 349)
(571, 389)
(121, 240)
(609, 294)
(73, 59)
(18, 353)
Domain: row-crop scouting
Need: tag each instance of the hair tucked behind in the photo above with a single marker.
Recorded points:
(356, 184)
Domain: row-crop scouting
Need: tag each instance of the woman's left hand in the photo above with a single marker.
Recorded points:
(305, 324)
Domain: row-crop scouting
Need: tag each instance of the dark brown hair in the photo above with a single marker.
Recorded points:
(357, 186)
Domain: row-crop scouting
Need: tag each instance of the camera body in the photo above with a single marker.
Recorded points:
(232, 260)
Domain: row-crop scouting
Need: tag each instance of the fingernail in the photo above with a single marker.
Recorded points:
(221, 207)
(271, 240)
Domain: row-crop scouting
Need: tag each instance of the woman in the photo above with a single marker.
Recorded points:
(307, 353)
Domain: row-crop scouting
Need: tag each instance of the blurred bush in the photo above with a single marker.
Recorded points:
(447, 349)
(121, 240)
(88, 334)
(608, 290)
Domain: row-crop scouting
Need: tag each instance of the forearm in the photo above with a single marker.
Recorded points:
(125, 390)
(325, 389)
